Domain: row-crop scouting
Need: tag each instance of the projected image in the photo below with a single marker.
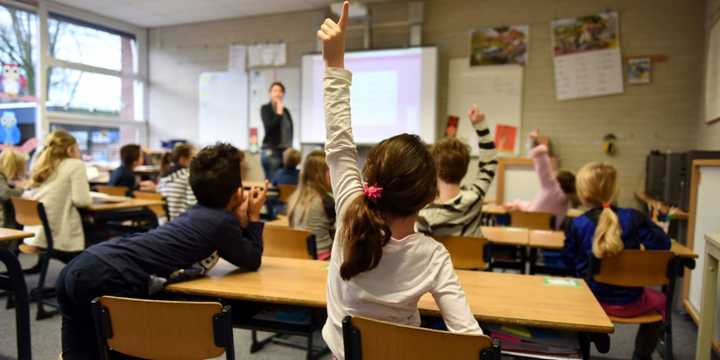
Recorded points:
(393, 92)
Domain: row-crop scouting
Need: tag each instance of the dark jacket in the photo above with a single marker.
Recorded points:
(123, 176)
(278, 128)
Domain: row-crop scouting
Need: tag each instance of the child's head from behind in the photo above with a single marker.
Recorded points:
(597, 187)
(130, 155)
(566, 179)
(215, 175)
(59, 145)
(13, 164)
(400, 180)
(451, 157)
(314, 172)
(182, 154)
(291, 158)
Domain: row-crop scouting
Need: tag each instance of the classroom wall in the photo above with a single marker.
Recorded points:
(662, 115)
(709, 134)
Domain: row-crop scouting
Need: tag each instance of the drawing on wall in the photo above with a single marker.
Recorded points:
(586, 33)
(505, 136)
(639, 71)
(500, 45)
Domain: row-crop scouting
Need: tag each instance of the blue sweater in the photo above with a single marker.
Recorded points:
(637, 229)
(189, 238)
(286, 176)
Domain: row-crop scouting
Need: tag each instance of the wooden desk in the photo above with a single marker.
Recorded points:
(494, 297)
(280, 221)
(124, 205)
(12, 234)
(548, 240)
(682, 251)
(653, 203)
(495, 209)
(505, 235)
(709, 305)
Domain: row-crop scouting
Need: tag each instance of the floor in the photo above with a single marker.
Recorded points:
(46, 336)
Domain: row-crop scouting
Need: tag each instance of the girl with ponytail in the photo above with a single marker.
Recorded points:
(604, 231)
(379, 266)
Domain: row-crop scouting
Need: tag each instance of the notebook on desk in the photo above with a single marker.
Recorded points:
(100, 198)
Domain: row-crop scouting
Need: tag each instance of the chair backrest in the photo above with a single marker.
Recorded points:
(287, 242)
(633, 268)
(369, 339)
(532, 220)
(32, 213)
(159, 210)
(467, 253)
(152, 329)
(284, 192)
(112, 190)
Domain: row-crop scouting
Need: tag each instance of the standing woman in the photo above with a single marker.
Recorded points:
(278, 130)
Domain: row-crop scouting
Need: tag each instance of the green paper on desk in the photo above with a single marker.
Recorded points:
(554, 281)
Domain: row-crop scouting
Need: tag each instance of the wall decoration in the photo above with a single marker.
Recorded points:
(500, 45)
(639, 71)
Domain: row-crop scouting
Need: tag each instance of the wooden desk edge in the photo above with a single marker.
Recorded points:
(17, 236)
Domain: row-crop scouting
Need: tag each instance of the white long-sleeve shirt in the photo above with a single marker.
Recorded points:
(409, 267)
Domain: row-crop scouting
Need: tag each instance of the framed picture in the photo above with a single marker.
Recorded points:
(639, 71)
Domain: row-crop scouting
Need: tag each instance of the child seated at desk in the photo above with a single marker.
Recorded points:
(225, 220)
(604, 231)
(289, 173)
(557, 191)
(457, 210)
(311, 206)
(12, 172)
(59, 181)
(380, 267)
(174, 184)
(130, 158)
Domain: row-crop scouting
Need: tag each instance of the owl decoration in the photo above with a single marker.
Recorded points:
(10, 133)
(13, 82)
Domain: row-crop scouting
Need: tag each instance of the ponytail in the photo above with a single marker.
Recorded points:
(165, 163)
(365, 234)
(607, 241)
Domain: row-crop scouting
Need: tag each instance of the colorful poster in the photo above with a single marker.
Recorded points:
(501, 45)
(639, 71)
(587, 56)
(505, 136)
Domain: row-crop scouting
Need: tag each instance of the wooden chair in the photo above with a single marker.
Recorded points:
(289, 243)
(532, 220)
(284, 192)
(152, 329)
(161, 211)
(32, 213)
(112, 190)
(467, 253)
(368, 339)
(641, 268)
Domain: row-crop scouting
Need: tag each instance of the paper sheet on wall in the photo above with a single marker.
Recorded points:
(267, 54)
(497, 90)
(237, 55)
(587, 56)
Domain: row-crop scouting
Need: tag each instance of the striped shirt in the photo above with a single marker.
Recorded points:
(175, 187)
(462, 215)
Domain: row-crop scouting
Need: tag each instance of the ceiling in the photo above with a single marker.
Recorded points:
(155, 13)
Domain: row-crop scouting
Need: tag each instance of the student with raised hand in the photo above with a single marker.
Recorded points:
(59, 181)
(457, 210)
(380, 267)
(311, 206)
(604, 231)
(557, 191)
(226, 220)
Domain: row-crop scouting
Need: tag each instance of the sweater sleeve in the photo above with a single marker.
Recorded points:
(487, 160)
(340, 146)
(80, 187)
(451, 300)
(241, 247)
(650, 235)
(543, 167)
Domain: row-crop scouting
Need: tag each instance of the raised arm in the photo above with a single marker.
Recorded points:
(541, 162)
(339, 146)
(487, 159)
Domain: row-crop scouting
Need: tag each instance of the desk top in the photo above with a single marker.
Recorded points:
(505, 235)
(495, 209)
(682, 251)
(280, 221)
(493, 297)
(550, 240)
(130, 203)
(12, 234)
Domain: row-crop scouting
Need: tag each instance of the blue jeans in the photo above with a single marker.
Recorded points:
(272, 161)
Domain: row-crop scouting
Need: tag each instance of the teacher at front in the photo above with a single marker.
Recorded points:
(278, 130)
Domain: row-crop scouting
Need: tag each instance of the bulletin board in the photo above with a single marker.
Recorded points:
(260, 81)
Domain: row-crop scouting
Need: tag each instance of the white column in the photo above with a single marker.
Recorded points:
(42, 127)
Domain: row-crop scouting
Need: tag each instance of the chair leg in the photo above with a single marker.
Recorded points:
(668, 355)
(258, 345)
(310, 351)
(40, 289)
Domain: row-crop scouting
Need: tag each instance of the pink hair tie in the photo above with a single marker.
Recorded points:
(606, 205)
(372, 192)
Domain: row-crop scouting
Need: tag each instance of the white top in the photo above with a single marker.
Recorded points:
(409, 267)
(61, 194)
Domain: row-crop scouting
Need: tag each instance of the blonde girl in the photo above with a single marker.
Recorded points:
(311, 206)
(604, 231)
(59, 181)
(12, 170)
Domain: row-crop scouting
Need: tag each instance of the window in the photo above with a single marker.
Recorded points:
(93, 70)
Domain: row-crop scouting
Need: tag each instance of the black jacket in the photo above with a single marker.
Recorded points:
(272, 122)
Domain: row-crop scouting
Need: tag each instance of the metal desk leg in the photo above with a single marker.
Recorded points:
(15, 282)
(602, 343)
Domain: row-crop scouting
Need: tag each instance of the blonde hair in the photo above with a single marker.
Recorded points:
(313, 183)
(55, 150)
(291, 158)
(597, 186)
(12, 163)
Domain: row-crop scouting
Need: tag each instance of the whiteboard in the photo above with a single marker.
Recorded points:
(707, 220)
(497, 90)
(521, 183)
(222, 101)
(712, 75)
(260, 81)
